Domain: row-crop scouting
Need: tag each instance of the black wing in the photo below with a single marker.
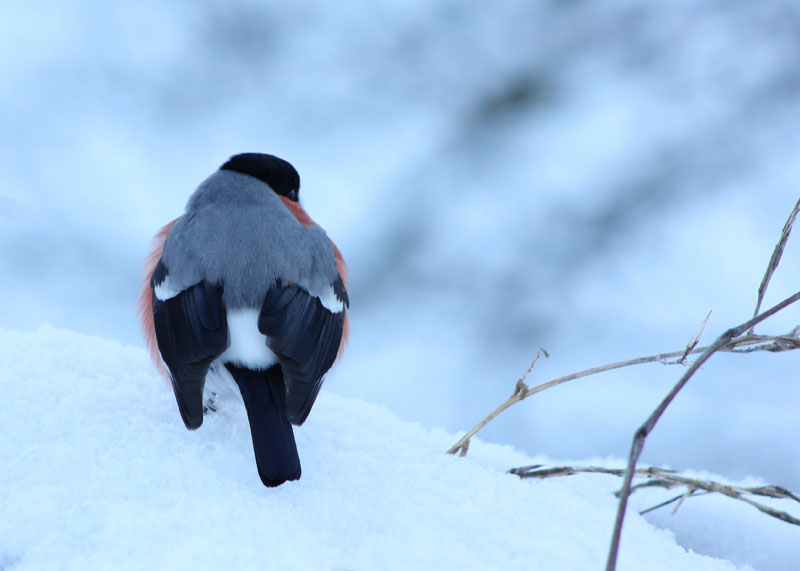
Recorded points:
(192, 331)
(305, 336)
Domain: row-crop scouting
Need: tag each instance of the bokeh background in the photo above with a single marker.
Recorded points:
(591, 178)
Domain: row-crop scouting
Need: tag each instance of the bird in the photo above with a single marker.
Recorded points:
(244, 289)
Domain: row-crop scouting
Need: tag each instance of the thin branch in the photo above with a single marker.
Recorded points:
(775, 258)
(771, 343)
(520, 392)
(662, 504)
(744, 344)
(668, 479)
(733, 340)
(536, 471)
(689, 491)
(694, 340)
(641, 434)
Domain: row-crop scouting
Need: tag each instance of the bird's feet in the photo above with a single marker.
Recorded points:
(210, 403)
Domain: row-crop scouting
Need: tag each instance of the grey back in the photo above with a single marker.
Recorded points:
(238, 233)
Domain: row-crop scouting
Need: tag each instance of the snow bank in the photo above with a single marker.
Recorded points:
(99, 473)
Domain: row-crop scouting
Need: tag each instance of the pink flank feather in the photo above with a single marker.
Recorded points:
(145, 306)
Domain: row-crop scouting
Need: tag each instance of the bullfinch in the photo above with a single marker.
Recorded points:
(245, 288)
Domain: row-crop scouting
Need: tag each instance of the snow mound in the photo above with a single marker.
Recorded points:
(99, 473)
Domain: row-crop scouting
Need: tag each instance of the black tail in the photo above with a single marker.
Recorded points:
(264, 397)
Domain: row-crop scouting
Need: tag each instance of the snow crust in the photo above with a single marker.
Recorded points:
(99, 473)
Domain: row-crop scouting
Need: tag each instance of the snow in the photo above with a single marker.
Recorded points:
(591, 179)
(101, 474)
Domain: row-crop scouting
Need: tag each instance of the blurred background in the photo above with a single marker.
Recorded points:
(588, 178)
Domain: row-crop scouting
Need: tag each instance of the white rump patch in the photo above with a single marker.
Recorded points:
(331, 301)
(248, 346)
(165, 290)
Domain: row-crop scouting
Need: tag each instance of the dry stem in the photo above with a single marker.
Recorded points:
(520, 388)
(723, 340)
(641, 434)
(743, 344)
(775, 258)
(692, 344)
(733, 340)
(668, 479)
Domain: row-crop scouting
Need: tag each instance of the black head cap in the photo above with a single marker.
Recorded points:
(277, 173)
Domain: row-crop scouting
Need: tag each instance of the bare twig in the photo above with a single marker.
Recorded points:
(668, 479)
(647, 427)
(662, 504)
(733, 340)
(744, 344)
(689, 491)
(775, 258)
(771, 343)
(520, 392)
(536, 471)
(694, 340)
